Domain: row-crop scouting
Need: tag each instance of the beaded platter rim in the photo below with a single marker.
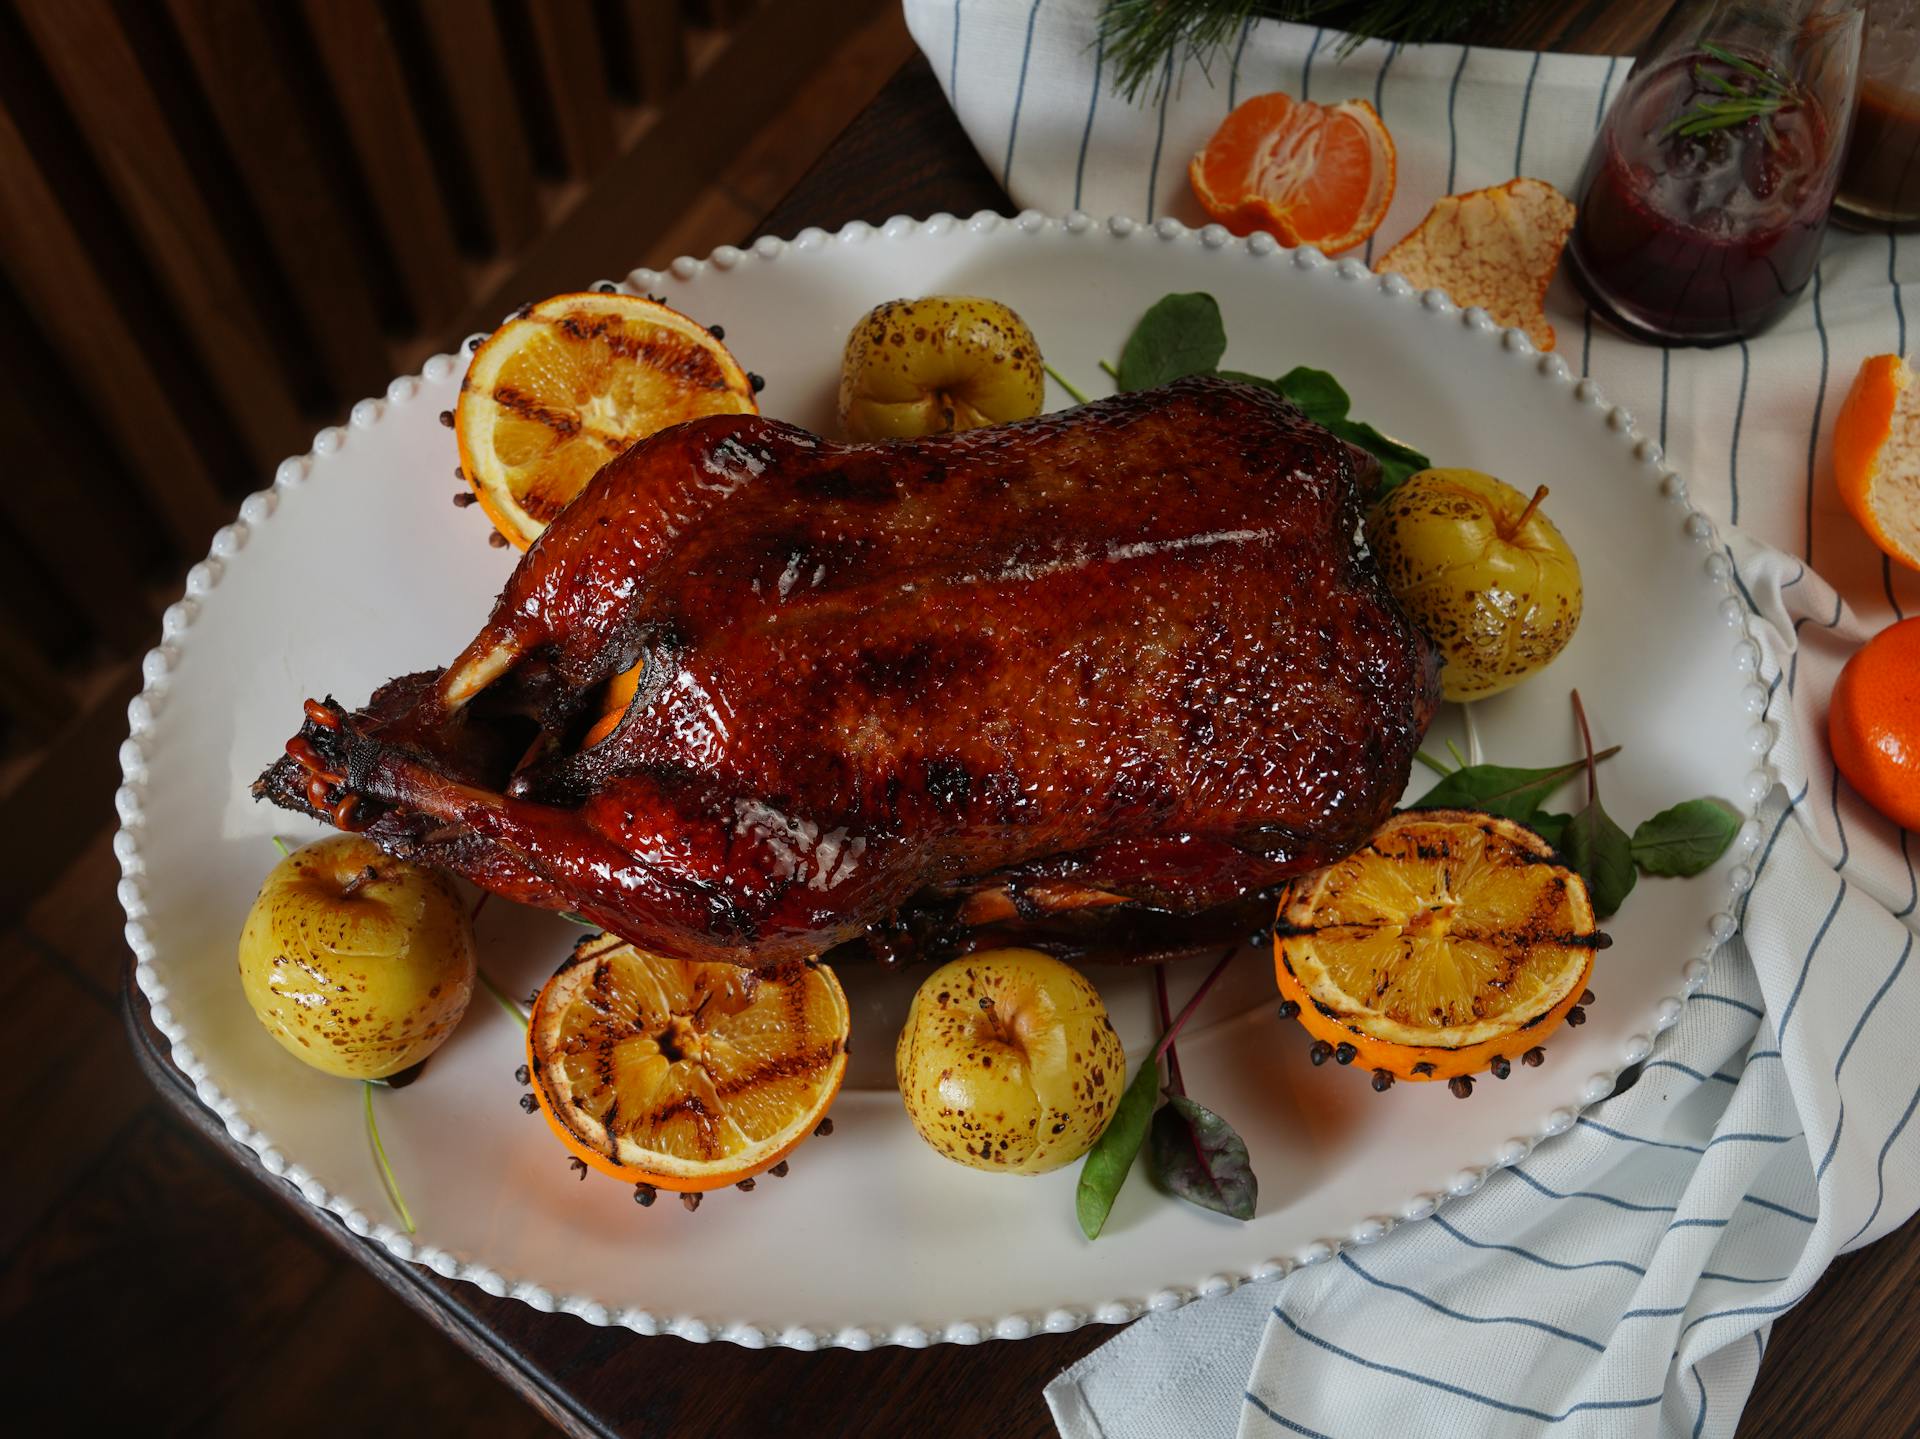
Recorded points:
(1314, 267)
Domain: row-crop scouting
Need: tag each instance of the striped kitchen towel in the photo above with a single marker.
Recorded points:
(1622, 1279)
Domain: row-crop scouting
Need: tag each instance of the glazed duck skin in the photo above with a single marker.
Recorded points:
(1117, 663)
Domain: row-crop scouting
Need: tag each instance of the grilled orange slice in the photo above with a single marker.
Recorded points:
(683, 1075)
(562, 388)
(1452, 940)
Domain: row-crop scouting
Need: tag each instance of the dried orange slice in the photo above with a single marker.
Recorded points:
(1876, 455)
(1494, 248)
(1873, 722)
(679, 1074)
(571, 382)
(1450, 943)
(1307, 174)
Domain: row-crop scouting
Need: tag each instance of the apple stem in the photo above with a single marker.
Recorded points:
(500, 995)
(1177, 1085)
(380, 1155)
(1199, 994)
(353, 886)
(1079, 398)
(1507, 531)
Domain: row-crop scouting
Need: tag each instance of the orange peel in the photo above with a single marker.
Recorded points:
(1495, 248)
(1876, 455)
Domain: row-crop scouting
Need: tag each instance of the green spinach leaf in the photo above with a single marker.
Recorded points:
(1685, 839)
(1603, 854)
(1181, 335)
(1502, 789)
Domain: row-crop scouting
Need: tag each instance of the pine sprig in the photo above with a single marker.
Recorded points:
(1141, 36)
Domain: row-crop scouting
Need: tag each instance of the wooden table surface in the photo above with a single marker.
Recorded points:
(1842, 1364)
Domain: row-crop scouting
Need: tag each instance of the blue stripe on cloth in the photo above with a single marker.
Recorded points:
(1738, 582)
(1453, 132)
(1666, 370)
(1460, 1390)
(1793, 666)
(1743, 1309)
(1741, 1278)
(1685, 1069)
(1306, 66)
(1093, 103)
(1839, 824)
(1763, 1054)
(1697, 1224)
(1819, 402)
(1728, 999)
(1528, 1254)
(953, 60)
(1611, 1133)
(1599, 115)
(1653, 1313)
(1758, 1203)
(1880, 1170)
(1733, 455)
(1526, 104)
(1806, 965)
(1766, 854)
(1438, 1308)
(1747, 1137)
(1614, 1200)
(1379, 106)
(1700, 1419)
(1160, 136)
(1282, 1420)
(1840, 1121)
(1913, 888)
(1020, 94)
(1233, 76)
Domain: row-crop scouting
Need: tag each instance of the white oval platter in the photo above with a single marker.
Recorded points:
(355, 566)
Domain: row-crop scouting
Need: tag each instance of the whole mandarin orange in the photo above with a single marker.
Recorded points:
(1873, 726)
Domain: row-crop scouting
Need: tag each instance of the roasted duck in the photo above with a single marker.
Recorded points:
(1098, 681)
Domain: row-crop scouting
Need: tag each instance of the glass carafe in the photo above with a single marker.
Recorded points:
(1880, 183)
(1704, 200)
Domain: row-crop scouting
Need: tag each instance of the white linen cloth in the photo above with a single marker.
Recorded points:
(1623, 1278)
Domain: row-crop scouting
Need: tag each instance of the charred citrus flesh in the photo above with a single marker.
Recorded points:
(684, 1075)
(562, 388)
(1450, 938)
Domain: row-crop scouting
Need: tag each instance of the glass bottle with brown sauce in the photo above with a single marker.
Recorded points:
(1880, 183)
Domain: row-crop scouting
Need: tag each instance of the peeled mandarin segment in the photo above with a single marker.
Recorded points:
(1876, 455)
(1495, 248)
(1304, 173)
(1485, 938)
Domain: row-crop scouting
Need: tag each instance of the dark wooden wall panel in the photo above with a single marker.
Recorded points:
(227, 220)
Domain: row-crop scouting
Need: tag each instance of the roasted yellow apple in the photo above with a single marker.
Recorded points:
(946, 362)
(358, 963)
(1008, 1062)
(1483, 570)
